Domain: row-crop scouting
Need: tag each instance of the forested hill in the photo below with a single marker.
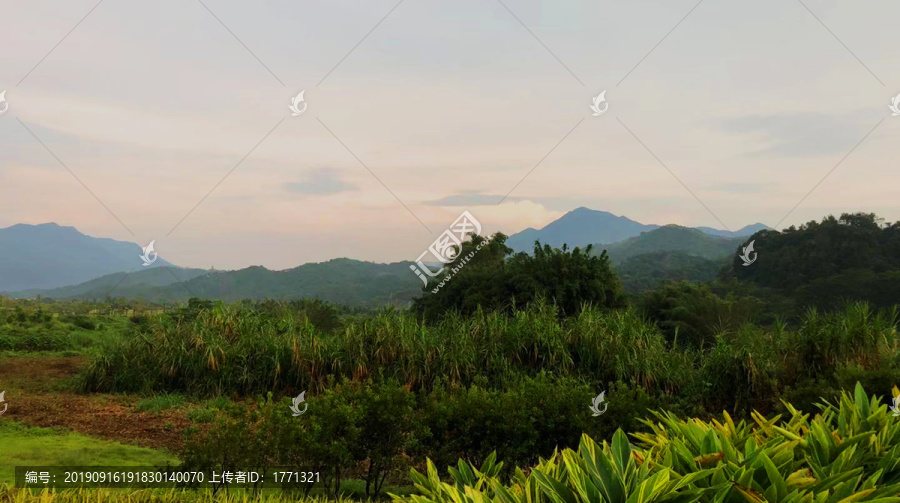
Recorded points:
(856, 256)
(672, 238)
(352, 283)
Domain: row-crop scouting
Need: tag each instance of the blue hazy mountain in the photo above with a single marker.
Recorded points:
(50, 256)
(579, 227)
(743, 232)
(141, 283)
(584, 226)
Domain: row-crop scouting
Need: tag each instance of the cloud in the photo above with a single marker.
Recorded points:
(800, 134)
(320, 182)
(470, 198)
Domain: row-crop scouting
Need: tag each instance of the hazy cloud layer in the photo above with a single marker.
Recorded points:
(320, 182)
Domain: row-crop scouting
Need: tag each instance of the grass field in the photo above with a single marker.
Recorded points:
(23, 445)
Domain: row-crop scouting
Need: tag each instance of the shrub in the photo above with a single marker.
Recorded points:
(848, 452)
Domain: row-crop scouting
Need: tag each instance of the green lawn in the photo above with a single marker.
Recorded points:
(22, 445)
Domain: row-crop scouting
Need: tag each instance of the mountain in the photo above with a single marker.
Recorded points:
(579, 227)
(138, 284)
(583, 226)
(344, 281)
(51, 256)
(672, 238)
(743, 232)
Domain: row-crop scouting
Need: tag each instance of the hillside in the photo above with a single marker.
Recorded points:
(51, 256)
(137, 284)
(743, 232)
(672, 238)
(856, 256)
(644, 272)
(349, 282)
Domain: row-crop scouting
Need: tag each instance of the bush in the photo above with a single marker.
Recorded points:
(348, 426)
(833, 457)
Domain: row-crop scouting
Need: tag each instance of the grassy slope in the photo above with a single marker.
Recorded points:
(44, 446)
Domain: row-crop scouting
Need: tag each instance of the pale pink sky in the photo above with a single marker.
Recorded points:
(450, 105)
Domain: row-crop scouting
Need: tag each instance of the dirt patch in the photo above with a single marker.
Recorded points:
(35, 374)
(37, 396)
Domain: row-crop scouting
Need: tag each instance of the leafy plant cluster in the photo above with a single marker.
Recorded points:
(26, 328)
(848, 452)
(705, 356)
(495, 279)
(823, 264)
(375, 431)
(234, 349)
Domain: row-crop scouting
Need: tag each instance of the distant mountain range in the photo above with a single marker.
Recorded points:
(60, 262)
(343, 281)
(584, 226)
(51, 256)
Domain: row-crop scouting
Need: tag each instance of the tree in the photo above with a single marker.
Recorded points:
(486, 275)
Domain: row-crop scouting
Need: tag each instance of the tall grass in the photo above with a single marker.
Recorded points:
(236, 349)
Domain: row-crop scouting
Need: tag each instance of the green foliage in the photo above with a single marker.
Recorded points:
(645, 272)
(32, 327)
(853, 257)
(16, 495)
(235, 349)
(672, 238)
(849, 452)
(857, 334)
(740, 372)
(346, 426)
(488, 278)
(693, 314)
(521, 423)
(23, 445)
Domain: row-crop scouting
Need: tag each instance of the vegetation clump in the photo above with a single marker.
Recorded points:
(847, 452)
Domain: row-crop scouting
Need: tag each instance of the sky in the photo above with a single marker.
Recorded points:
(169, 120)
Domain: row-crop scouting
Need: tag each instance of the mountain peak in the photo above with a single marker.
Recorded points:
(50, 255)
(579, 227)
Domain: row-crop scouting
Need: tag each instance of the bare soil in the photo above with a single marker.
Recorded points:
(38, 391)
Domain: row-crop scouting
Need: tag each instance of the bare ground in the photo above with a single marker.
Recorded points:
(38, 393)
